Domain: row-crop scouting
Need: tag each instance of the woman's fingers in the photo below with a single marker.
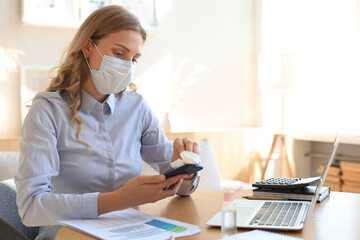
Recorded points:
(185, 144)
(188, 144)
(170, 191)
(196, 148)
(151, 179)
(170, 181)
(178, 145)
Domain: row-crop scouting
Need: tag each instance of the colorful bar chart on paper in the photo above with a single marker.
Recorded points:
(166, 226)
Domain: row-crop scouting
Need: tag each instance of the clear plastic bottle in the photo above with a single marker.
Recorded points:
(228, 221)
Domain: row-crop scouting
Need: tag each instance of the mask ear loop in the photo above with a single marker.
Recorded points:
(87, 62)
(97, 48)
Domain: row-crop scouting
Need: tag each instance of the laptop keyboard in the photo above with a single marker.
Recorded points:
(277, 214)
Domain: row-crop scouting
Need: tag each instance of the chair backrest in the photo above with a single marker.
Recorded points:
(9, 232)
(209, 176)
(9, 210)
(8, 164)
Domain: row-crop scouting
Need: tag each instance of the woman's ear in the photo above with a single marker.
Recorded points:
(87, 48)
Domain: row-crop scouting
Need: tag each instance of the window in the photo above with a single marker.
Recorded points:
(324, 35)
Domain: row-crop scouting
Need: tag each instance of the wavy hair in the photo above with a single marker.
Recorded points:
(73, 70)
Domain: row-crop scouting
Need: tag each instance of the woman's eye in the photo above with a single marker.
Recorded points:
(118, 53)
(134, 61)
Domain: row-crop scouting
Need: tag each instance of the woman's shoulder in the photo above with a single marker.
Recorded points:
(46, 108)
(134, 95)
(47, 99)
(47, 95)
(132, 100)
(131, 97)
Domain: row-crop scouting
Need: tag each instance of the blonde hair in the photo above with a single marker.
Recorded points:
(73, 70)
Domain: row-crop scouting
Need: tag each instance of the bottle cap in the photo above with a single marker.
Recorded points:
(229, 196)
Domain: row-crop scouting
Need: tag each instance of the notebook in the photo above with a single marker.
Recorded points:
(277, 215)
(303, 194)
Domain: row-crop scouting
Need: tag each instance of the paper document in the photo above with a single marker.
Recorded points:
(132, 224)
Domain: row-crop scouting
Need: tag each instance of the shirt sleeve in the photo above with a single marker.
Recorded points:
(157, 151)
(39, 163)
(189, 186)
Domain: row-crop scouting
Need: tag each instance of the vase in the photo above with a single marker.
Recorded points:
(166, 125)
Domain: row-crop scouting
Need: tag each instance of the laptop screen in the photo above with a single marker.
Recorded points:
(322, 178)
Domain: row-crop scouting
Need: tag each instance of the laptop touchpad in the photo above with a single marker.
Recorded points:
(245, 209)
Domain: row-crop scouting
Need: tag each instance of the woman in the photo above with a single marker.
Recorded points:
(83, 140)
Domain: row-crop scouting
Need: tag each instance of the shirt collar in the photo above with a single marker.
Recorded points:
(88, 102)
(111, 102)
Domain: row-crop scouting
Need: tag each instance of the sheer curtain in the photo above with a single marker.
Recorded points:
(324, 35)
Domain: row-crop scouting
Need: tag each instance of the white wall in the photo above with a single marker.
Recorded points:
(40, 45)
(217, 35)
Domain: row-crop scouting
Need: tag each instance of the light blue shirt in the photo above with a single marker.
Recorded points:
(59, 178)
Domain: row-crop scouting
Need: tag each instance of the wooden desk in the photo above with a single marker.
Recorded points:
(337, 217)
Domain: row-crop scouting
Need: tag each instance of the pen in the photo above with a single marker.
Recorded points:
(264, 198)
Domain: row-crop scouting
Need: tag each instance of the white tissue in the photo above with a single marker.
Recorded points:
(190, 157)
(187, 157)
(177, 163)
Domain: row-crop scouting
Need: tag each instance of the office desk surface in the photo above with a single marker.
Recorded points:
(337, 217)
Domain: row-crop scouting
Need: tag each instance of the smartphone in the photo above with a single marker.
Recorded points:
(188, 169)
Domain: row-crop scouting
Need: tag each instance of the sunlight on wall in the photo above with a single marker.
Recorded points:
(2, 114)
(273, 82)
(8, 61)
(9, 85)
(169, 87)
(328, 93)
(155, 86)
(328, 58)
(163, 7)
(218, 49)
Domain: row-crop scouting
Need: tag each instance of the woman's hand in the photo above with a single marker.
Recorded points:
(184, 144)
(139, 190)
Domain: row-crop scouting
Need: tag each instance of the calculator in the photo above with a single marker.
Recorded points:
(286, 183)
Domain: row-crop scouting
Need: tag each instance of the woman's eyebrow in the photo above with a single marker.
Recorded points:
(124, 47)
(127, 49)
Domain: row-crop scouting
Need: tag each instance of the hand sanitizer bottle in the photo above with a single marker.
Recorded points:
(228, 221)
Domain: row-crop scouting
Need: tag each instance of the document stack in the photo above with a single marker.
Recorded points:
(302, 194)
(350, 176)
(333, 179)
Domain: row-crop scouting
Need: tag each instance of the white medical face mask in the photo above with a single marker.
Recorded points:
(113, 76)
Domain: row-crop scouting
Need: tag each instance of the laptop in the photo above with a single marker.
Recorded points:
(277, 215)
